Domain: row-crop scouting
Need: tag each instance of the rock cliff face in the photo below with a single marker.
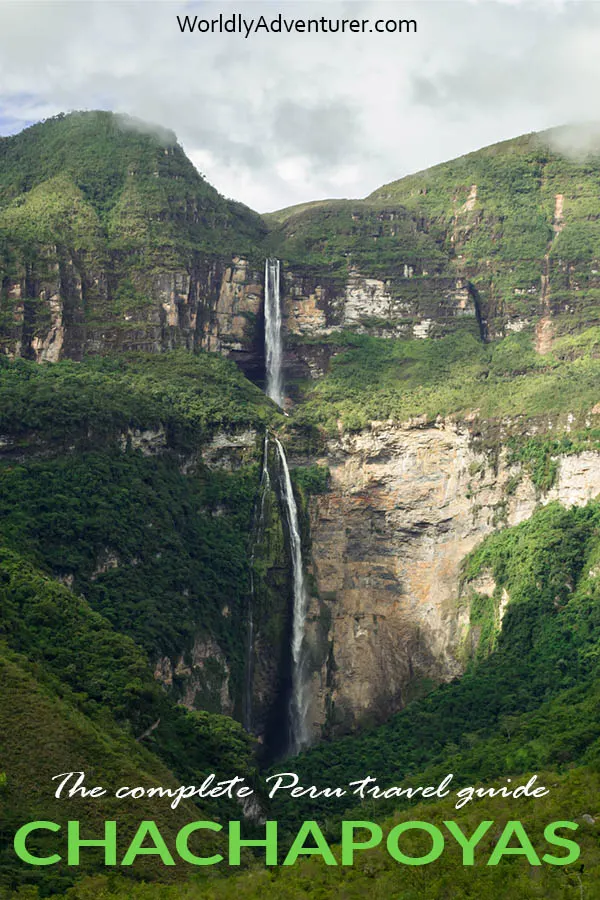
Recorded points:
(406, 504)
(399, 306)
(388, 619)
(516, 223)
(73, 310)
(203, 677)
(135, 252)
(384, 550)
(217, 306)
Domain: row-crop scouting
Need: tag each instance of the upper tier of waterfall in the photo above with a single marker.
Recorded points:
(273, 331)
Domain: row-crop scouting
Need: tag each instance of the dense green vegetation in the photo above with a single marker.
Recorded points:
(133, 181)
(503, 233)
(529, 705)
(129, 539)
(74, 699)
(140, 541)
(117, 546)
(502, 217)
(374, 378)
(312, 479)
(188, 397)
(138, 537)
(517, 182)
(378, 239)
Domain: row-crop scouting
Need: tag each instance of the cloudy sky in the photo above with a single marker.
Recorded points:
(278, 119)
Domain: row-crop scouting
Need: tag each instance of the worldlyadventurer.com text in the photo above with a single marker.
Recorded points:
(238, 24)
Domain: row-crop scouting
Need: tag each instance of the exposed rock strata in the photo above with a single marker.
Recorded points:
(73, 308)
(400, 306)
(406, 505)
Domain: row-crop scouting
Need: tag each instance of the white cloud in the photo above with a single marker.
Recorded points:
(279, 119)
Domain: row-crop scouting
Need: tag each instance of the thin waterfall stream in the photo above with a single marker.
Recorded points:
(299, 699)
(273, 332)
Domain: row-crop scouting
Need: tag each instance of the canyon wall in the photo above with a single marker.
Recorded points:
(71, 308)
(406, 504)
(67, 307)
(384, 547)
(402, 305)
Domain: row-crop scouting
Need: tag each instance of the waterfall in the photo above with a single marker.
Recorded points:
(300, 698)
(273, 335)
(258, 527)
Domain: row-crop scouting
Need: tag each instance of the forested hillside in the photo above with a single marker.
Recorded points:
(441, 422)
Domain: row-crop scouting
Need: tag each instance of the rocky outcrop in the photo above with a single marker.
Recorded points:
(230, 449)
(66, 307)
(202, 675)
(404, 305)
(232, 319)
(406, 504)
(71, 308)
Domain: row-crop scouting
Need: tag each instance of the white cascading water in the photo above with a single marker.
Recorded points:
(273, 333)
(298, 713)
(258, 529)
(299, 737)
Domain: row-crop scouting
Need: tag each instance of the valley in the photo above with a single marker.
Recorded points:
(316, 489)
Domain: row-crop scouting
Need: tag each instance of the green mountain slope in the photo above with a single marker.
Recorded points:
(119, 546)
(103, 483)
(129, 482)
(377, 238)
(118, 166)
(104, 222)
(506, 218)
(77, 696)
(47, 729)
(373, 379)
